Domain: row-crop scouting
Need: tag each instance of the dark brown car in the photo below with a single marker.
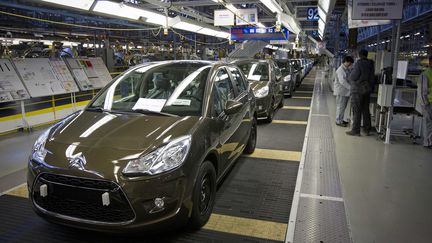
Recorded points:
(148, 151)
(264, 77)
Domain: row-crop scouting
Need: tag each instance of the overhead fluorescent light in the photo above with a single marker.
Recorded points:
(289, 22)
(231, 7)
(208, 31)
(222, 34)
(184, 24)
(129, 12)
(272, 5)
(80, 4)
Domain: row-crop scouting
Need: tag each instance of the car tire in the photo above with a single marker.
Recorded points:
(281, 102)
(251, 143)
(203, 197)
(291, 90)
(271, 112)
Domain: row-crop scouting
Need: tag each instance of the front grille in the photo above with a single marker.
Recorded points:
(79, 182)
(82, 198)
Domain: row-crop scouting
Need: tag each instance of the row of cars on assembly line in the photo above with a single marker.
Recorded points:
(148, 151)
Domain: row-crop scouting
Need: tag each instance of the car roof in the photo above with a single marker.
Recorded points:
(251, 60)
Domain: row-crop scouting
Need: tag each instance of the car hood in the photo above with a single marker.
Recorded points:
(121, 131)
(107, 139)
(256, 85)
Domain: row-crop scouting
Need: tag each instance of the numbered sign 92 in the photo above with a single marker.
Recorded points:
(312, 14)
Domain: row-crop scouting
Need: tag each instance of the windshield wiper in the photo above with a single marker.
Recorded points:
(146, 111)
(95, 108)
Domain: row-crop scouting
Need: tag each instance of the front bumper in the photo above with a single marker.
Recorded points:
(79, 201)
(263, 106)
(286, 86)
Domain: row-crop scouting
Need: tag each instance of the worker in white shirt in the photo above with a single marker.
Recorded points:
(342, 89)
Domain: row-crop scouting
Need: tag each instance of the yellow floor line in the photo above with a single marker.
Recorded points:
(21, 191)
(275, 154)
(301, 97)
(291, 122)
(247, 227)
(292, 107)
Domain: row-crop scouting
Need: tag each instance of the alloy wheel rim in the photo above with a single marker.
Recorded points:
(205, 194)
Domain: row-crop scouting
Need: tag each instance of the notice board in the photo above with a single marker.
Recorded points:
(43, 77)
(11, 87)
(78, 73)
(96, 71)
(377, 9)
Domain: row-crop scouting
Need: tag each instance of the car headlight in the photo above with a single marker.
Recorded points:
(287, 78)
(262, 92)
(162, 159)
(39, 152)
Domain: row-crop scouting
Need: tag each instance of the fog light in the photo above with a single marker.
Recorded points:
(159, 202)
(43, 190)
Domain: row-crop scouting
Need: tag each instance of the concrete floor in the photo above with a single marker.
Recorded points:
(15, 149)
(387, 188)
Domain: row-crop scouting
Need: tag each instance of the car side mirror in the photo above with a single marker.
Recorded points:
(232, 107)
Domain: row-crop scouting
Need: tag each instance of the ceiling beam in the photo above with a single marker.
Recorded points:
(179, 9)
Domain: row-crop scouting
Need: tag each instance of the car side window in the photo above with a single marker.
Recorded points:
(217, 107)
(239, 82)
(223, 86)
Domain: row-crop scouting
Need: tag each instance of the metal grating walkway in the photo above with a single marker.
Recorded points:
(318, 214)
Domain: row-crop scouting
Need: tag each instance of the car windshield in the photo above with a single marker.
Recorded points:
(284, 66)
(157, 88)
(255, 71)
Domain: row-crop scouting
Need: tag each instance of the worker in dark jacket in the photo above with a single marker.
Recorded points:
(362, 79)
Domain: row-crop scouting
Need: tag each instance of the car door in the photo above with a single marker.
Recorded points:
(229, 137)
(243, 96)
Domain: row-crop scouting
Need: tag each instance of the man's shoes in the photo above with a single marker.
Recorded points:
(345, 122)
(352, 133)
(341, 124)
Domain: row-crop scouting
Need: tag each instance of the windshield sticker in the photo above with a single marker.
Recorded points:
(254, 77)
(149, 104)
(182, 102)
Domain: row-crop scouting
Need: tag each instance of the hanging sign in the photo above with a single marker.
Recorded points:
(312, 14)
(257, 33)
(247, 16)
(223, 17)
(377, 10)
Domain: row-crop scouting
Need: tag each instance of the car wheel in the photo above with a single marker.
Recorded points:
(203, 197)
(291, 90)
(270, 112)
(251, 144)
(281, 102)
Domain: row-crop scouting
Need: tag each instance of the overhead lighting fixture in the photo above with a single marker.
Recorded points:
(289, 22)
(231, 8)
(129, 12)
(80, 4)
(261, 25)
(223, 34)
(184, 24)
(272, 5)
(208, 31)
